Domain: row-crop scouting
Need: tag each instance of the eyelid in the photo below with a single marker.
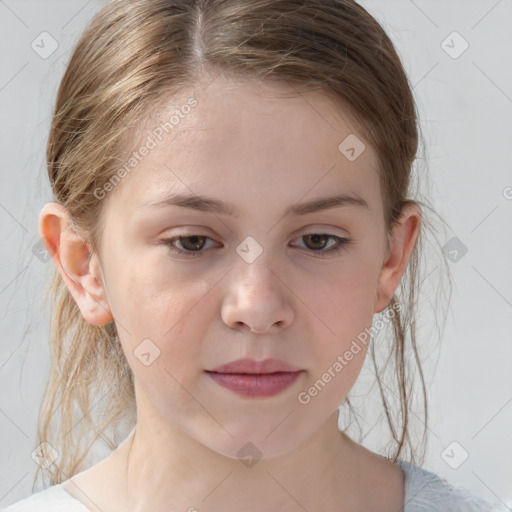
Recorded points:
(201, 231)
(341, 244)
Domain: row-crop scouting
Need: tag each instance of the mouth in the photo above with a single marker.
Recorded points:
(255, 384)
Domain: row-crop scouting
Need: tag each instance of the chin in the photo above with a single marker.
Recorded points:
(253, 444)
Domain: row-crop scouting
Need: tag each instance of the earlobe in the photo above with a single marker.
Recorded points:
(79, 269)
(402, 243)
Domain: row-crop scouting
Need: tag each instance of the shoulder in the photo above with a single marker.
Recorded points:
(52, 499)
(426, 491)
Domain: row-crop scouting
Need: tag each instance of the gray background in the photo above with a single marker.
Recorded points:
(465, 107)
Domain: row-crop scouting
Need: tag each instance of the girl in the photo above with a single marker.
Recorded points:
(231, 209)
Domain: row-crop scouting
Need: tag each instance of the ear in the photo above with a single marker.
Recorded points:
(405, 234)
(79, 269)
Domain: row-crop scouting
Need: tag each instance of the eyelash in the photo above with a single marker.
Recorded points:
(341, 244)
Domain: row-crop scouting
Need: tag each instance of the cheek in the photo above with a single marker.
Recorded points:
(165, 311)
(158, 292)
(344, 299)
(163, 305)
(344, 308)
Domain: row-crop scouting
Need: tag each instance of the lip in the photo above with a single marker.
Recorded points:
(251, 378)
(256, 367)
(255, 384)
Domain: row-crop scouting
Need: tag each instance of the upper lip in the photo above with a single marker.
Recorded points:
(253, 366)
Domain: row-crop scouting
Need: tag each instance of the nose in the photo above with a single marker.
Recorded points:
(257, 300)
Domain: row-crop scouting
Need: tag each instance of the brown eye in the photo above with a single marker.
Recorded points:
(191, 245)
(317, 243)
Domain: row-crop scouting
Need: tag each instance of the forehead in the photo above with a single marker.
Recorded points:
(251, 140)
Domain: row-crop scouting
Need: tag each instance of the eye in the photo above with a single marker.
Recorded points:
(319, 242)
(192, 245)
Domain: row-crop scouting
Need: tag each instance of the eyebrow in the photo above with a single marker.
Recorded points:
(209, 204)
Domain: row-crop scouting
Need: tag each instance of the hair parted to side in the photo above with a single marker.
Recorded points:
(132, 57)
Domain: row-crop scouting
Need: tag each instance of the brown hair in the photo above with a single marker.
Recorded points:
(136, 54)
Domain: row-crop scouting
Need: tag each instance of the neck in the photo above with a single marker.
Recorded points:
(167, 469)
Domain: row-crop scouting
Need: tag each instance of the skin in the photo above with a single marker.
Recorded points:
(242, 142)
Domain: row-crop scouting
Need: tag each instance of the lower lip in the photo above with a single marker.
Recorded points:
(255, 385)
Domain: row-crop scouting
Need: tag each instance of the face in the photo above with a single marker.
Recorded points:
(254, 282)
